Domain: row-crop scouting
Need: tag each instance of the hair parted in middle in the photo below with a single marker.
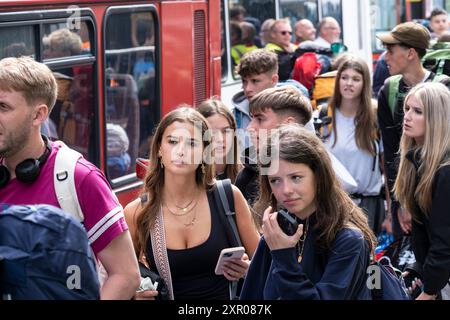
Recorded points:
(212, 107)
(335, 209)
(154, 180)
(365, 119)
(434, 153)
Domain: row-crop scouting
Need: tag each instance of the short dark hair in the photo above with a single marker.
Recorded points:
(236, 10)
(284, 100)
(420, 51)
(257, 62)
(437, 12)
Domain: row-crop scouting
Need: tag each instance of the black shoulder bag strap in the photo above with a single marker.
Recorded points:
(223, 188)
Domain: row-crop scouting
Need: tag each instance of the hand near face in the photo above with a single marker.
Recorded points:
(274, 236)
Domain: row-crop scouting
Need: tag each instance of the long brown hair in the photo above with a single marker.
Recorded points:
(365, 119)
(334, 208)
(434, 153)
(214, 106)
(154, 180)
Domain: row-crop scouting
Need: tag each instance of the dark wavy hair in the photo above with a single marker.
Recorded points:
(335, 210)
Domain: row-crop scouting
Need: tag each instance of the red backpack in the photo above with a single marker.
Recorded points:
(306, 69)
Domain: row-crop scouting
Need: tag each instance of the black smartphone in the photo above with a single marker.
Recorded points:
(287, 223)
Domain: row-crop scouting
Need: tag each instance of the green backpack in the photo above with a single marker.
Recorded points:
(437, 59)
(394, 84)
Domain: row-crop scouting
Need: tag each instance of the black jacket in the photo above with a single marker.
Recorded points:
(247, 179)
(431, 233)
(391, 127)
(391, 132)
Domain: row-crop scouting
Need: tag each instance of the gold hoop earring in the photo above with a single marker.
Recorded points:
(162, 164)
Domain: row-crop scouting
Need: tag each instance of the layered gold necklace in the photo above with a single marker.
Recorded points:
(183, 211)
(301, 242)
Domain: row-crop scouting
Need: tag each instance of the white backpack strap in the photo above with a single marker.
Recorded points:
(64, 181)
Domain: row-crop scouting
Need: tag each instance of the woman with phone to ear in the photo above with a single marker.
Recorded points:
(328, 256)
(423, 184)
(176, 223)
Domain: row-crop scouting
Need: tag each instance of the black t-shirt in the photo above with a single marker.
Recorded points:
(192, 269)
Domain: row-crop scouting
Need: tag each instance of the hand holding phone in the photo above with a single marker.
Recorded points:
(228, 254)
(287, 223)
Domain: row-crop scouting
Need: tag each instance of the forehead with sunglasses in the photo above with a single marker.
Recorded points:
(282, 32)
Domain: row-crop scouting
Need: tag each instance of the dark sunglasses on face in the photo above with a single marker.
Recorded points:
(286, 32)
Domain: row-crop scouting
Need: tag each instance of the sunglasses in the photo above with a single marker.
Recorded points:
(286, 32)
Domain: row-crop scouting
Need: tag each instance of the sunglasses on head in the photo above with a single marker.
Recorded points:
(286, 32)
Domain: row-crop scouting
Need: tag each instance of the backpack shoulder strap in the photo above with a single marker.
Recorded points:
(64, 181)
(393, 86)
(323, 111)
(225, 196)
(442, 78)
(326, 115)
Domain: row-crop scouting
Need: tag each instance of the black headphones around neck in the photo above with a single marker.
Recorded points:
(28, 170)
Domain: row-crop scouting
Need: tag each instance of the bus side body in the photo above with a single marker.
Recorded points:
(137, 61)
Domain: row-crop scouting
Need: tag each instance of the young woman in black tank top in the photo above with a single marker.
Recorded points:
(177, 230)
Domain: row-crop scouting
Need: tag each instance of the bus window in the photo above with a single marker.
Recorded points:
(72, 117)
(224, 55)
(17, 41)
(245, 19)
(384, 18)
(260, 10)
(59, 41)
(131, 104)
(332, 8)
(301, 9)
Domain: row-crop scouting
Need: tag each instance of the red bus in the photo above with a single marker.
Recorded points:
(120, 65)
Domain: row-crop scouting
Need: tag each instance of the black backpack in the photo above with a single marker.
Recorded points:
(45, 255)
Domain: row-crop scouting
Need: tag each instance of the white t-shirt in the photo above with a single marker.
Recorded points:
(321, 42)
(359, 163)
